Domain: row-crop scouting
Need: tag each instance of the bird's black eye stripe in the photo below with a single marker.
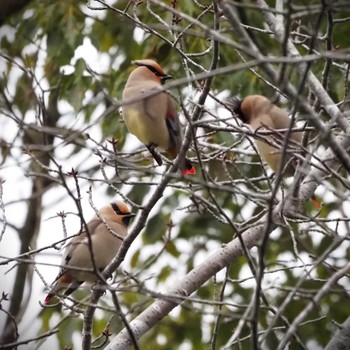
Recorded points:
(155, 71)
(116, 209)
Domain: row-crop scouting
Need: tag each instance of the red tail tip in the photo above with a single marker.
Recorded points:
(191, 171)
(47, 299)
(317, 205)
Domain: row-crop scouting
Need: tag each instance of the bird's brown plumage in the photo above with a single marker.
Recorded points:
(77, 261)
(261, 114)
(152, 116)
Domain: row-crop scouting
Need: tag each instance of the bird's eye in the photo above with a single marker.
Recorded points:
(116, 209)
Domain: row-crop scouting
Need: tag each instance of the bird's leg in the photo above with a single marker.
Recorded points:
(152, 149)
(101, 285)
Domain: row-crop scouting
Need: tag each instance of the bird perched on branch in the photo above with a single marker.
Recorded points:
(150, 115)
(261, 114)
(81, 257)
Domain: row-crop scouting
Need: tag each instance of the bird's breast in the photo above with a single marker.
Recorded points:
(146, 121)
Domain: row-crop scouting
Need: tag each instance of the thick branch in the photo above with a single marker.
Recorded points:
(190, 283)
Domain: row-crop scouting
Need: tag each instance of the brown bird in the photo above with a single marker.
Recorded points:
(105, 242)
(153, 119)
(261, 114)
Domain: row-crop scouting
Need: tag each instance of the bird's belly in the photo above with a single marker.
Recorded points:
(273, 157)
(102, 255)
(270, 154)
(146, 129)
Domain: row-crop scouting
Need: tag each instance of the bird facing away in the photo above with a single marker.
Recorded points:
(261, 114)
(152, 117)
(77, 261)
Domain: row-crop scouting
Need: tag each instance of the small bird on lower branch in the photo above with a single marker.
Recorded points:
(80, 256)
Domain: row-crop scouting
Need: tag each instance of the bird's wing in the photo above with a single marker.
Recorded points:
(173, 125)
(74, 243)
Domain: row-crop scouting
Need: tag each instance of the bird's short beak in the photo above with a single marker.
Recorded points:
(166, 77)
(126, 218)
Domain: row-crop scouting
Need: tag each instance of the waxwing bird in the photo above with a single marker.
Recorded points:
(153, 118)
(80, 258)
(261, 114)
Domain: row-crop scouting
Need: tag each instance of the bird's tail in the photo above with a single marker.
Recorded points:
(62, 282)
(316, 204)
(187, 168)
